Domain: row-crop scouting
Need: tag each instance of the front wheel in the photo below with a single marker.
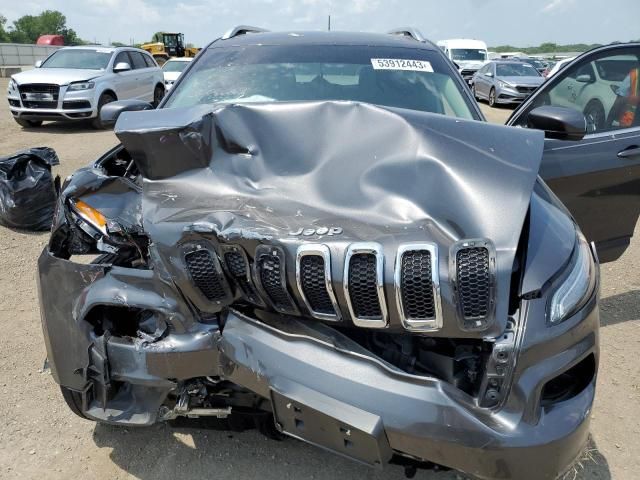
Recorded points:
(104, 99)
(492, 97)
(594, 114)
(28, 123)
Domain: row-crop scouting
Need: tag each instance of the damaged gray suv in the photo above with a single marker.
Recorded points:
(317, 234)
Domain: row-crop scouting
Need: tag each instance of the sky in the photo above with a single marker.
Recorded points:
(497, 22)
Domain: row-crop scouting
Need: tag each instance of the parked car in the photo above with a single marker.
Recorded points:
(593, 88)
(468, 54)
(317, 234)
(509, 82)
(74, 83)
(558, 65)
(172, 70)
(536, 63)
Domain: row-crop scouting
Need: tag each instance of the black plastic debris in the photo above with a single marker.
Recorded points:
(28, 190)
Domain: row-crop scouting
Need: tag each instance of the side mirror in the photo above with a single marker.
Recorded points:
(110, 112)
(121, 67)
(38, 64)
(455, 64)
(488, 74)
(584, 78)
(558, 122)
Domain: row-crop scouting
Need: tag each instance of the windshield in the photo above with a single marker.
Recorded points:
(467, 54)
(89, 59)
(170, 40)
(174, 66)
(516, 70)
(416, 79)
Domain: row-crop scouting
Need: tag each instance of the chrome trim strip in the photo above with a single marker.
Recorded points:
(375, 249)
(318, 250)
(419, 324)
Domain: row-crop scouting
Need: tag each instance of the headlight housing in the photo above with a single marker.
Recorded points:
(502, 84)
(12, 87)
(576, 286)
(79, 86)
(91, 216)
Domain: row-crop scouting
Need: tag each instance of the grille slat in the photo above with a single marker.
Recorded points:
(363, 285)
(238, 267)
(474, 282)
(312, 276)
(270, 273)
(202, 268)
(416, 285)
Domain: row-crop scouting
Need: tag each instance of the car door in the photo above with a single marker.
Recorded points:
(598, 177)
(479, 79)
(144, 77)
(487, 79)
(125, 81)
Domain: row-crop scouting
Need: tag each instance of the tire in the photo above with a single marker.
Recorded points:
(492, 97)
(158, 95)
(104, 99)
(28, 123)
(595, 116)
(73, 400)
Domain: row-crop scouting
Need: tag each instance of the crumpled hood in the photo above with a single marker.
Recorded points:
(258, 173)
(57, 76)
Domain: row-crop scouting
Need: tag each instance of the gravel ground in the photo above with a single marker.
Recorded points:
(41, 438)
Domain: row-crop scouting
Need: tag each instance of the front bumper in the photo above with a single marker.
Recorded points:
(509, 95)
(323, 388)
(71, 106)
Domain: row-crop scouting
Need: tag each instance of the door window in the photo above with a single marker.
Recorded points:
(122, 57)
(149, 60)
(605, 88)
(138, 60)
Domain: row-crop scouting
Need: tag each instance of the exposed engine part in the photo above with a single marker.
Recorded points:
(183, 409)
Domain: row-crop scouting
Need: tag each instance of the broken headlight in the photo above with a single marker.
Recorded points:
(91, 216)
(576, 287)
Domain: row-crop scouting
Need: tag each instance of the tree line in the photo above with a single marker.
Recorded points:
(548, 47)
(28, 28)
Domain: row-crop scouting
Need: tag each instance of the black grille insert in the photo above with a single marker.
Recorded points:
(39, 95)
(271, 273)
(239, 269)
(203, 271)
(314, 288)
(363, 286)
(416, 285)
(474, 282)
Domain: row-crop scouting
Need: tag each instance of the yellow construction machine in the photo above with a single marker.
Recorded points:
(169, 45)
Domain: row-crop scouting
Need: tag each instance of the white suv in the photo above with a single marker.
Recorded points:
(73, 83)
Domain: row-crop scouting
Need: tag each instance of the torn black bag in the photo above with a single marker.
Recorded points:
(28, 190)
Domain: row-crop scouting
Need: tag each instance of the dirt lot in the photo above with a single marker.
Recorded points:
(41, 438)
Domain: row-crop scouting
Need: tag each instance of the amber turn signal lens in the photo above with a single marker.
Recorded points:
(91, 215)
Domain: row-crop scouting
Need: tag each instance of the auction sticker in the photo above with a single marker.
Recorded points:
(401, 64)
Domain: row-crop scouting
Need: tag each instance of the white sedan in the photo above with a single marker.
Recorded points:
(172, 70)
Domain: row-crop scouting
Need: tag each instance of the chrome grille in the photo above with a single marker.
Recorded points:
(417, 286)
(202, 267)
(313, 275)
(364, 285)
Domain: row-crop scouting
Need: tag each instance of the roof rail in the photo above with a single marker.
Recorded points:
(410, 32)
(241, 30)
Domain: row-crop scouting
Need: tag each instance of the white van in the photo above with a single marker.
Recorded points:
(467, 53)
